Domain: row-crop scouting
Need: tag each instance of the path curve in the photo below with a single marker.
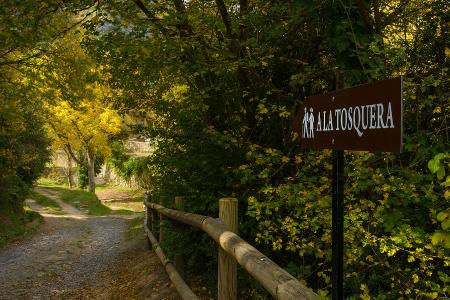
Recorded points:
(68, 253)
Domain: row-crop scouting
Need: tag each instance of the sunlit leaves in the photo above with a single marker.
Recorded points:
(86, 127)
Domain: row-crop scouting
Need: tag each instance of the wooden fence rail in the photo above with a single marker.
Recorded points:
(279, 283)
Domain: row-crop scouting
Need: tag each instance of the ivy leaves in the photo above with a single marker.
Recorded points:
(437, 166)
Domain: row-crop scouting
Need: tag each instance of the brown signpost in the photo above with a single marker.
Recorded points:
(366, 117)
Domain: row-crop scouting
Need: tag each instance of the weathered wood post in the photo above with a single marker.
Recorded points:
(147, 212)
(227, 269)
(147, 220)
(161, 226)
(179, 259)
(155, 219)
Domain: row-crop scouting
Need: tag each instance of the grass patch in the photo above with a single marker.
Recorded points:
(86, 201)
(106, 186)
(49, 182)
(45, 201)
(15, 225)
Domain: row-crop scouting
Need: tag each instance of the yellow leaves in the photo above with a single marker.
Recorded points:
(415, 278)
(176, 93)
(323, 293)
(267, 190)
(262, 109)
(86, 127)
(447, 194)
(326, 237)
(276, 245)
(364, 292)
(447, 52)
(285, 159)
(243, 167)
(271, 151)
(285, 114)
(325, 277)
(294, 136)
(411, 258)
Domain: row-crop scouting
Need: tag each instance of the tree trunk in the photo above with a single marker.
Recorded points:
(107, 175)
(69, 169)
(69, 172)
(91, 172)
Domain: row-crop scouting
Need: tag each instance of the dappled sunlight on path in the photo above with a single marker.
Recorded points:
(71, 211)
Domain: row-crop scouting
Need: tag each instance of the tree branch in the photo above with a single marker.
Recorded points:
(42, 52)
(145, 10)
(69, 150)
(152, 17)
(185, 27)
(243, 5)
(225, 18)
(365, 15)
(66, 144)
(377, 17)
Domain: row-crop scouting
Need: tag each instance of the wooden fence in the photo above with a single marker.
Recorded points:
(279, 283)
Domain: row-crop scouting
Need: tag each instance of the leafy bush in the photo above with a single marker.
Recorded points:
(23, 148)
(130, 168)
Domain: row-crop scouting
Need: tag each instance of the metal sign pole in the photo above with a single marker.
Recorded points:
(338, 214)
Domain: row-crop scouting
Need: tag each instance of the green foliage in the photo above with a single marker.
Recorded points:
(23, 141)
(130, 168)
(23, 144)
(439, 165)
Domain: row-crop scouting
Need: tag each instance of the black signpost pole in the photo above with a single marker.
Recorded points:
(338, 214)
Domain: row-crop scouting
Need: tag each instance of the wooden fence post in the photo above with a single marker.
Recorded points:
(161, 226)
(227, 269)
(179, 259)
(147, 210)
(148, 218)
(154, 224)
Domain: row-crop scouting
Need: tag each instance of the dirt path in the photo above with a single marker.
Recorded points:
(71, 257)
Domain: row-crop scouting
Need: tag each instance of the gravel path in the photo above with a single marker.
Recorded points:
(67, 254)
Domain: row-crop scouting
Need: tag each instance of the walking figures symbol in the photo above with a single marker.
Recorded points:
(308, 124)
